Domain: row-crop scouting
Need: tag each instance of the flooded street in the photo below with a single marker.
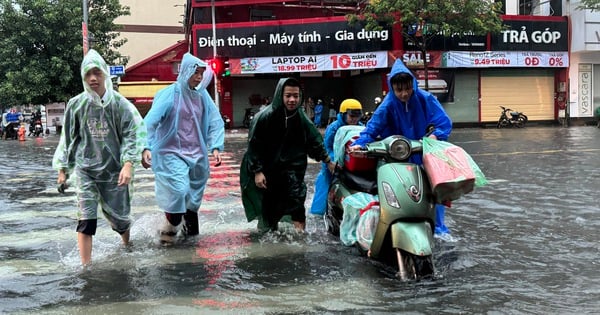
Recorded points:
(527, 243)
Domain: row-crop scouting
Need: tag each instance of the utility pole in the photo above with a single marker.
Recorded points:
(84, 28)
(214, 36)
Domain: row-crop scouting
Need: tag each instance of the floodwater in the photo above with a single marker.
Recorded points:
(527, 243)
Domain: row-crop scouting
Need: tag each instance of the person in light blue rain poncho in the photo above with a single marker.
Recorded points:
(101, 142)
(350, 114)
(408, 111)
(184, 127)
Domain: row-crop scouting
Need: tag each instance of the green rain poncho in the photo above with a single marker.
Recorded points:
(98, 137)
(276, 146)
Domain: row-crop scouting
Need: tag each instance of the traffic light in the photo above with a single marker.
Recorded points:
(216, 65)
(225, 67)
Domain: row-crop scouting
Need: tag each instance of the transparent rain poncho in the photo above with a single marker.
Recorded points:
(184, 126)
(99, 135)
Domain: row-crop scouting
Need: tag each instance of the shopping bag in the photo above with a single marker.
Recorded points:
(354, 205)
(367, 225)
(450, 169)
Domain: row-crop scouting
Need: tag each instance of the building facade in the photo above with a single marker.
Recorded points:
(584, 74)
(525, 68)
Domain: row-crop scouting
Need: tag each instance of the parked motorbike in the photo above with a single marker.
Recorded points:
(366, 117)
(404, 232)
(248, 116)
(11, 130)
(226, 121)
(510, 118)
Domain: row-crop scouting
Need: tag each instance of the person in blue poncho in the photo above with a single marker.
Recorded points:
(184, 128)
(318, 113)
(350, 114)
(408, 111)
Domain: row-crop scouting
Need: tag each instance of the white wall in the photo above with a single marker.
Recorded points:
(155, 13)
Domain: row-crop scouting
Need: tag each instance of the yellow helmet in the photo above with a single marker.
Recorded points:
(350, 104)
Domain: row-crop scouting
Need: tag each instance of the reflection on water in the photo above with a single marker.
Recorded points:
(525, 243)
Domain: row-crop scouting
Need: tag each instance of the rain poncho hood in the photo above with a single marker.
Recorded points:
(99, 132)
(163, 118)
(274, 148)
(393, 117)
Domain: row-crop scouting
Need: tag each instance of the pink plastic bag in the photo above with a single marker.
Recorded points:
(451, 171)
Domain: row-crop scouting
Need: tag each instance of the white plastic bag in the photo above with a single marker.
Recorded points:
(367, 225)
(353, 206)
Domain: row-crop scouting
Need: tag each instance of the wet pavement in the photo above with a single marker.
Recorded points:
(527, 243)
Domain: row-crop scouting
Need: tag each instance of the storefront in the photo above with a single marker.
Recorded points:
(332, 59)
(584, 74)
(524, 69)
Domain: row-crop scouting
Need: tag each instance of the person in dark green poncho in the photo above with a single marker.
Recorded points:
(272, 172)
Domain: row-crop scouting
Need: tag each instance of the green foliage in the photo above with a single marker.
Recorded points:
(432, 17)
(593, 5)
(41, 47)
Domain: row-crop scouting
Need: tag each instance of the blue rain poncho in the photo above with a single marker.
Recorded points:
(410, 119)
(319, 203)
(393, 117)
(184, 126)
(100, 134)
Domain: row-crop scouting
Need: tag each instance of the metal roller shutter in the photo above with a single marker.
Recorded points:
(527, 91)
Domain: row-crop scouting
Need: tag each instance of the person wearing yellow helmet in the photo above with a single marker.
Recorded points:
(349, 114)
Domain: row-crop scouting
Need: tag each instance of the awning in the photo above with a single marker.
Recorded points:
(141, 93)
(142, 90)
(435, 85)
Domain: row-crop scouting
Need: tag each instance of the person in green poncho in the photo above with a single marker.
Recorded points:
(272, 172)
(100, 144)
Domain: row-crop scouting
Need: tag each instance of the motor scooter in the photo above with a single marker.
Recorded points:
(248, 116)
(510, 118)
(226, 121)
(404, 232)
(35, 128)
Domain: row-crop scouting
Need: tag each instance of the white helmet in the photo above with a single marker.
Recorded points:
(378, 100)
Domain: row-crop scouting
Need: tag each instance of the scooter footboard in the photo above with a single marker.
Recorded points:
(413, 237)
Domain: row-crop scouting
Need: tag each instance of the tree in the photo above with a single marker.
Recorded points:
(421, 20)
(593, 5)
(41, 47)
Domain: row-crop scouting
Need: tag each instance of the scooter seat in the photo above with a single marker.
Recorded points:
(361, 181)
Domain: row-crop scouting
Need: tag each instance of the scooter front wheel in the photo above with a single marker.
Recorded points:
(412, 266)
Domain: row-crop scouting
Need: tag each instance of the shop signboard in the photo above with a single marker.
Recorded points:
(313, 63)
(496, 59)
(532, 35)
(316, 36)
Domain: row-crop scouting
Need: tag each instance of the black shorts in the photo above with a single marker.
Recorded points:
(87, 227)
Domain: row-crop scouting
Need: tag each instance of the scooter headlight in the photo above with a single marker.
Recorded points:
(390, 197)
(399, 149)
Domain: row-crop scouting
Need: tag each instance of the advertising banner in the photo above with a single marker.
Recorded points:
(532, 36)
(306, 37)
(494, 59)
(465, 42)
(312, 63)
(585, 103)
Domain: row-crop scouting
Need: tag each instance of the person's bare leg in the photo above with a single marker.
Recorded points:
(300, 226)
(84, 242)
(125, 238)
